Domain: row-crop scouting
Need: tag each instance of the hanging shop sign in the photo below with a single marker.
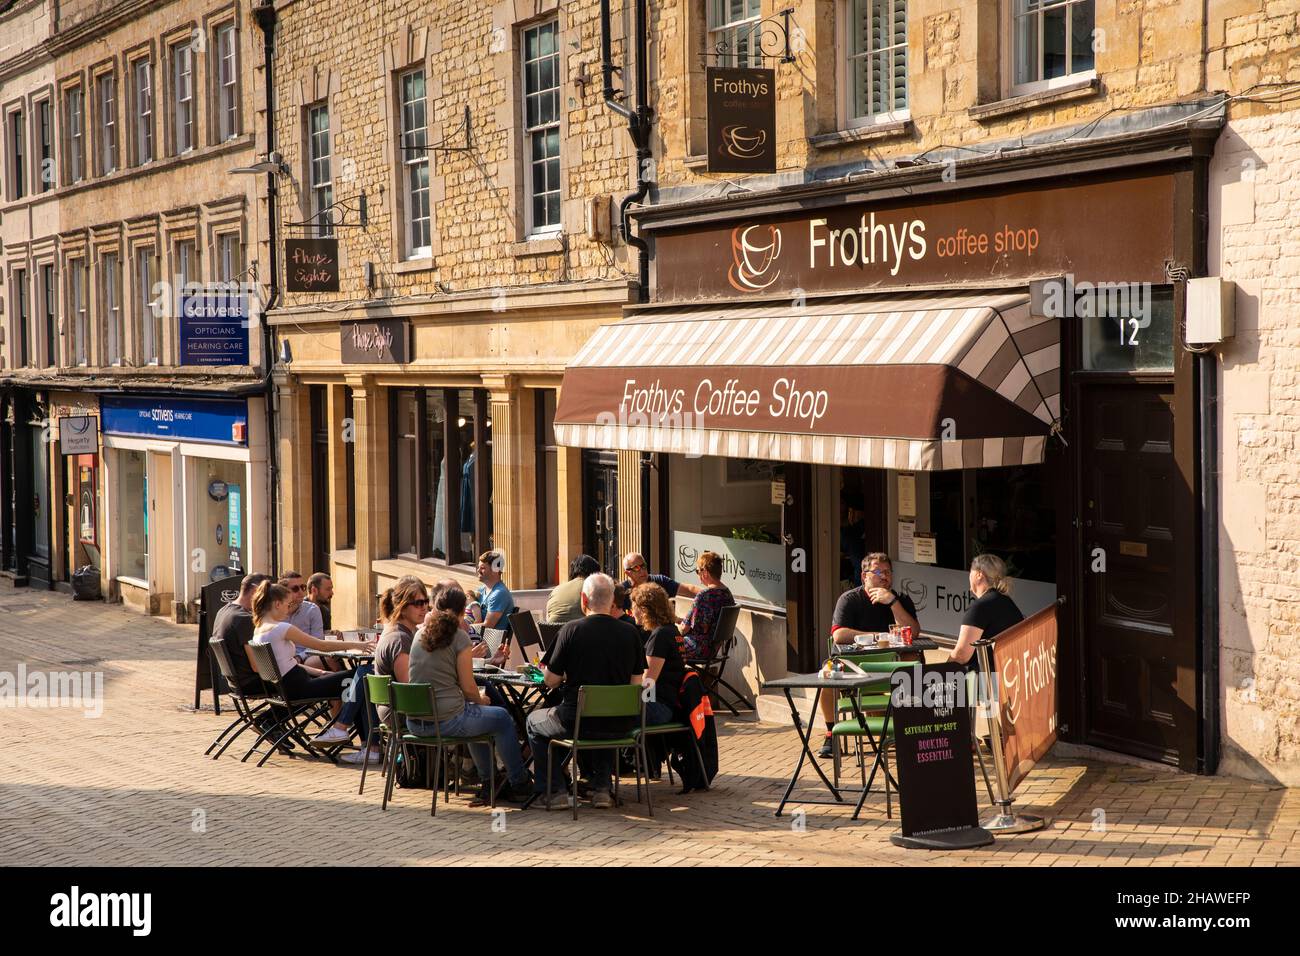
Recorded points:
(750, 569)
(79, 435)
(375, 342)
(220, 421)
(741, 107)
(214, 328)
(311, 265)
(849, 246)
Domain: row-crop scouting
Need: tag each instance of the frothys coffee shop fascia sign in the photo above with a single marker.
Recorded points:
(375, 342)
(741, 107)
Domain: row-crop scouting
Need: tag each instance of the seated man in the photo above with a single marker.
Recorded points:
(320, 592)
(565, 603)
(868, 609)
(599, 649)
(636, 572)
(234, 625)
(494, 597)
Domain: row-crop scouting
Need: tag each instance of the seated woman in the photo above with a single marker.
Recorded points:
(271, 626)
(663, 651)
(699, 625)
(402, 607)
(440, 657)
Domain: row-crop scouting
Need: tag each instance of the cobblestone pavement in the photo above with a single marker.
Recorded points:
(133, 787)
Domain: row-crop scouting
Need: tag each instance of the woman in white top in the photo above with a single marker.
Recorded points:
(270, 626)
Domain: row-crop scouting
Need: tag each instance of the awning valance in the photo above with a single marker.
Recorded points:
(918, 383)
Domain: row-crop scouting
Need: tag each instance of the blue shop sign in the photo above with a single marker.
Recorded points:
(221, 421)
(214, 328)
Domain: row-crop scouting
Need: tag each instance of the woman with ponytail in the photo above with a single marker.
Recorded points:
(271, 626)
(440, 657)
(992, 612)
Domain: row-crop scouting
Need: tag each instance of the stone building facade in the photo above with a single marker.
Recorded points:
(123, 122)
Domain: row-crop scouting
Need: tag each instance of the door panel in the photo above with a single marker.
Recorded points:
(600, 510)
(1140, 668)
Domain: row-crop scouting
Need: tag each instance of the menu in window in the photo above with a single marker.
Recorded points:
(906, 494)
(906, 535)
(925, 548)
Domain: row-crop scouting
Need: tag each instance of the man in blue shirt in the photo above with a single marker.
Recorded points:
(494, 597)
(636, 572)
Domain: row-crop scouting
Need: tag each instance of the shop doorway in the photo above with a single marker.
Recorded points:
(1138, 639)
(320, 491)
(600, 511)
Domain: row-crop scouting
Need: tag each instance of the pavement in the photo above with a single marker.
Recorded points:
(131, 786)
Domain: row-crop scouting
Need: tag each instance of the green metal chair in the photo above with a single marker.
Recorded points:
(655, 730)
(379, 696)
(605, 701)
(868, 703)
(874, 729)
(417, 701)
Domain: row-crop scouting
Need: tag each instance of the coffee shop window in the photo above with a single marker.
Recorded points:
(441, 474)
(873, 84)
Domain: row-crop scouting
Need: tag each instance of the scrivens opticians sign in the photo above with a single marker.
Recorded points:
(1098, 230)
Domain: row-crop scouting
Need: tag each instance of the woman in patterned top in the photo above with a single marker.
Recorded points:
(700, 624)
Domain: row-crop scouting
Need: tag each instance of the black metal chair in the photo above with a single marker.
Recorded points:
(248, 707)
(492, 637)
(712, 668)
(524, 627)
(549, 630)
(291, 716)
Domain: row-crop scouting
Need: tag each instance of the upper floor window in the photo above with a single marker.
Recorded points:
(183, 98)
(146, 313)
(415, 163)
(542, 125)
(227, 83)
(22, 351)
(45, 135)
(80, 319)
(230, 257)
(107, 124)
(143, 79)
(17, 155)
(49, 318)
(322, 182)
(876, 66)
(111, 307)
(735, 33)
(74, 116)
(1052, 40)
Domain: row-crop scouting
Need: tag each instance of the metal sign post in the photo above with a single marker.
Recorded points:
(1004, 819)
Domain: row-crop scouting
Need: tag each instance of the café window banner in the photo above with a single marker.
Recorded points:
(942, 596)
(223, 422)
(753, 570)
(1100, 231)
(741, 107)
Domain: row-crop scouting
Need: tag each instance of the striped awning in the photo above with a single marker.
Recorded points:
(916, 383)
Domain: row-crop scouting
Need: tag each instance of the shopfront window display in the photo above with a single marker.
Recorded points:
(133, 515)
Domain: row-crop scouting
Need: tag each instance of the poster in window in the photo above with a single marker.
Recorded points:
(926, 548)
(906, 494)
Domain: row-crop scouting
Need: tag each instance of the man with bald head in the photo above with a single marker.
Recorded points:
(597, 649)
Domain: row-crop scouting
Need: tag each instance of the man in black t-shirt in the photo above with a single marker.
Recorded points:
(599, 649)
(234, 625)
(870, 609)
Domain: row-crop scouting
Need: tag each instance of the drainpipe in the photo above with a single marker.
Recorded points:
(265, 16)
(639, 118)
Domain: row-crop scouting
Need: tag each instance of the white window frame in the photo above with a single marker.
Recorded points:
(45, 134)
(142, 82)
(532, 131)
(110, 281)
(230, 257)
(150, 327)
(80, 317)
(50, 311)
(106, 97)
(722, 30)
(849, 115)
(414, 159)
(22, 315)
(75, 110)
(18, 154)
(1011, 18)
(182, 64)
(320, 176)
(227, 48)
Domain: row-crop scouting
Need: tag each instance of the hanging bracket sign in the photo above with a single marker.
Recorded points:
(311, 265)
(741, 107)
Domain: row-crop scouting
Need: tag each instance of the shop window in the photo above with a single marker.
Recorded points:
(736, 33)
(548, 493)
(1010, 512)
(875, 67)
(1127, 328)
(350, 470)
(1051, 42)
(221, 515)
(441, 468)
(133, 515)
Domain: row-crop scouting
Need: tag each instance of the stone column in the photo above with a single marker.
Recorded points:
(514, 479)
(629, 502)
(370, 414)
(341, 431)
(293, 413)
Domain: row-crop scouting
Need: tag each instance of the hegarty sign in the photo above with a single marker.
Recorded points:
(751, 569)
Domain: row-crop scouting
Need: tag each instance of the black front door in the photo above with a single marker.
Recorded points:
(1139, 644)
(320, 469)
(600, 509)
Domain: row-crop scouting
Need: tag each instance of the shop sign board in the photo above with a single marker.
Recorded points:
(214, 328)
(311, 265)
(375, 342)
(741, 105)
(1024, 657)
(79, 435)
(219, 421)
(934, 240)
(942, 595)
(754, 570)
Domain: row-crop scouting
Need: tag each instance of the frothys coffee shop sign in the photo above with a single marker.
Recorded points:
(375, 342)
(752, 570)
(742, 120)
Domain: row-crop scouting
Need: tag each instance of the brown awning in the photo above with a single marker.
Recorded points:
(913, 383)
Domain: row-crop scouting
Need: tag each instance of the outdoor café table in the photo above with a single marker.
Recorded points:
(918, 645)
(849, 682)
(353, 659)
(518, 691)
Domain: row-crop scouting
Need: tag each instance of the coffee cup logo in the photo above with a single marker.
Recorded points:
(753, 251)
(743, 142)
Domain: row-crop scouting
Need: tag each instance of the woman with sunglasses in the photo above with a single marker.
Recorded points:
(402, 607)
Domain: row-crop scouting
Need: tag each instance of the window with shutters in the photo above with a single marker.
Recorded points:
(735, 36)
(874, 83)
